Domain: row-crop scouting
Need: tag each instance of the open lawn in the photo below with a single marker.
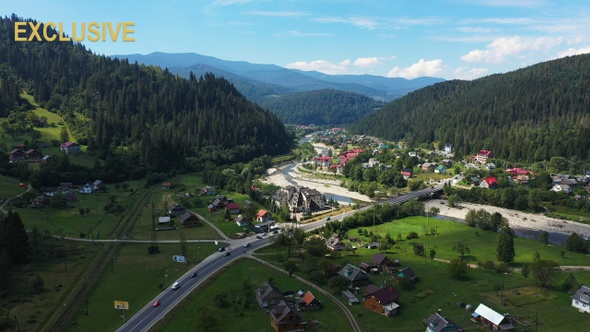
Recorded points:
(133, 276)
(9, 187)
(243, 312)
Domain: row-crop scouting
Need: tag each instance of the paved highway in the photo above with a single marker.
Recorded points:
(148, 315)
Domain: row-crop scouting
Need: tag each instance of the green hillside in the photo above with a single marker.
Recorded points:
(321, 107)
(138, 119)
(531, 114)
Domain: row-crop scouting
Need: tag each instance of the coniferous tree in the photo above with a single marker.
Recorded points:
(505, 245)
(14, 239)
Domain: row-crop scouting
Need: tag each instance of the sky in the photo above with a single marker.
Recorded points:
(450, 39)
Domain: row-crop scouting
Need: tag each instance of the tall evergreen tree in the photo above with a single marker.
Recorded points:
(505, 245)
(14, 239)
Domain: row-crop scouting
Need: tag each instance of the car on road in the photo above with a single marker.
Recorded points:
(226, 254)
(328, 218)
(275, 232)
(175, 286)
(194, 274)
(259, 237)
(265, 234)
(247, 245)
(221, 249)
(156, 303)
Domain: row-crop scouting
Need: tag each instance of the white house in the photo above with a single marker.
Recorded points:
(581, 299)
(87, 189)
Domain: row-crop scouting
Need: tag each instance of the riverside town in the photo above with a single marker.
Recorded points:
(96, 31)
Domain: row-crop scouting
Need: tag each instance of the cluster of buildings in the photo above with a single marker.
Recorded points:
(286, 315)
(21, 154)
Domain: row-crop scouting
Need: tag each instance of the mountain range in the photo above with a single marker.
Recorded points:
(265, 83)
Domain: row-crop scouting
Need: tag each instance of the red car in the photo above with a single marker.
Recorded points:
(155, 304)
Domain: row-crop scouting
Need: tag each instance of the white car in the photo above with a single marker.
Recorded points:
(175, 286)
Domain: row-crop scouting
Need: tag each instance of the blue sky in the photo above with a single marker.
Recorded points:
(462, 39)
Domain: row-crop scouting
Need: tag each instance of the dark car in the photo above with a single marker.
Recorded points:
(226, 253)
(247, 245)
(259, 237)
(194, 274)
(221, 249)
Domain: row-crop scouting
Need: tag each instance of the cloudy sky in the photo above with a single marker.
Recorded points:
(462, 39)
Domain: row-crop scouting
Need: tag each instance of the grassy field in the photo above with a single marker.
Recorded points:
(245, 314)
(69, 222)
(9, 187)
(134, 276)
(60, 264)
(437, 290)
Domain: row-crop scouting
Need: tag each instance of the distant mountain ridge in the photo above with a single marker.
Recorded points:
(282, 79)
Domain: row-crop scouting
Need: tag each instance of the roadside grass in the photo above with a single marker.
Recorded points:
(136, 277)
(246, 315)
(60, 265)
(9, 187)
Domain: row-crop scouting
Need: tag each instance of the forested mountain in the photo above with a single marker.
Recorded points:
(136, 116)
(531, 114)
(322, 107)
(239, 72)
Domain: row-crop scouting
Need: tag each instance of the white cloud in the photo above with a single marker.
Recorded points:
(420, 68)
(573, 51)
(360, 22)
(367, 62)
(322, 66)
(500, 48)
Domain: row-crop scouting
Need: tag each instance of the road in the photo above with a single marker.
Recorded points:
(148, 315)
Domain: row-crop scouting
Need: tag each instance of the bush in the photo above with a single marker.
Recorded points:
(412, 235)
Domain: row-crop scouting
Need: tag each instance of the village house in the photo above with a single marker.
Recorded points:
(407, 273)
(335, 243)
(355, 276)
(163, 220)
(322, 161)
(285, 318)
(308, 302)
(581, 299)
(88, 188)
(189, 219)
(383, 263)
(489, 183)
(298, 199)
(208, 191)
(383, 301)
(69, 147)
(440, 169)
(33, 155)
(482, 156)
(268, 295)
(492, 319)
(233, 207)
(263, 216)
(439, 323)
(17, 155)
(176, 209)
(166, 185)
(448, 148)
(241, 221)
